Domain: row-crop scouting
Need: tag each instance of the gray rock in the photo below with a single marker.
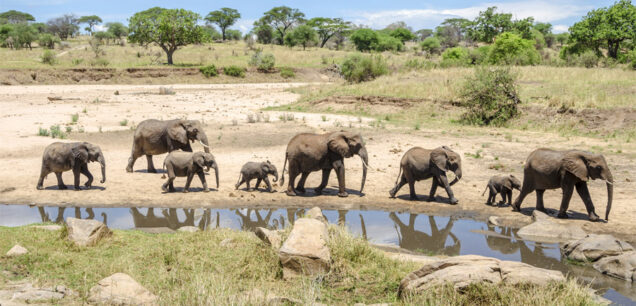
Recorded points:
(462, 271)
(543, 229)
(17, 250)
(594, 247)
(269, 237)
(189, 229)
(306, 251)
(514, 221)
(53, 227)
(316, 213)
(121, 289)
(18, 293)
(621, 266)
(86, 232)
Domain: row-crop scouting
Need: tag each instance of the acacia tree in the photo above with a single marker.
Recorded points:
(168, 28)
(489, 24)
(223, 18)
(117, 29)
(14, 16)
(281, 19)
(303, 35)
(91, 21)
(63, 27)
(328, 28)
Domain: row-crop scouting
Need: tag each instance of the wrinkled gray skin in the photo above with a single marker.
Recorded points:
(550, 169)
(421, 164)
(308, 152)
(503, 185)
(188, 164)
(258, 171)
(59, 157)
(153, 137)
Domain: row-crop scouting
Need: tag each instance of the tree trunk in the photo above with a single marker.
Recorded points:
(612, 48)
(169, 54)
(223, 33)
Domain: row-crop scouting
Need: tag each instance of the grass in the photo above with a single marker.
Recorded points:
(123, 122)
(75, 117)
(194, 269)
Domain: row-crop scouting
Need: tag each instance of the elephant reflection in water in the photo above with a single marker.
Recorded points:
(535, 256)
(342, 221)
(412, 239)
(170, 218)
(248, 224)
(78, 214)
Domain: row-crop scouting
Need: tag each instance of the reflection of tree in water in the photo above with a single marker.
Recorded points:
(169, 218)
(412, 239)
(78, 214)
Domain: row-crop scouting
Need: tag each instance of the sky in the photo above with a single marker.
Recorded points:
(375, 14)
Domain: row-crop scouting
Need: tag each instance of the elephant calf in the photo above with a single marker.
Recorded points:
(503, 185)
(258, 171)
(188, 164)
(59, 157)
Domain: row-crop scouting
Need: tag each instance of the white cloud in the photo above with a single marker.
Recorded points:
(560, 28)
(100, 28)
(244, 25)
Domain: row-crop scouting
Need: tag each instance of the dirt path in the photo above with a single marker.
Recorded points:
(224, 110)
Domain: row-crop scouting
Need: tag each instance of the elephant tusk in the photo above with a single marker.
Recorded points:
(608, 182)
(369, 167)
(204, 145)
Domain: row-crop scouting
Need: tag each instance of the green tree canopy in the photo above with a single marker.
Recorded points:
(403, 34)
(329, 27)
(303, 35)
(263, 31)
(424, 34)
(512, 49)
(14, 16)
(431, 45)
(364, 39)
(281, 19)
(91, 21)
(64, 26)
(224, 18)
(168, 28)
(452, 31)
(117, 29)
(489, 24)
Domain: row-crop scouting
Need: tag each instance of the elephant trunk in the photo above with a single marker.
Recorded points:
(609, 181)
(102, 162)
(365, 162)
(458, 176)
(203, 140)
(275, 176)
(216, 174)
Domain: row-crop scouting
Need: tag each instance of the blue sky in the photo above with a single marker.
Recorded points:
(375, 14)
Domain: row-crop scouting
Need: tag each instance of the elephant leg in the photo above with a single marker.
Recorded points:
(258, 183)
(202, 178)
(269, 185)
(540, 206)
(491, 196)
(43, 173)
(60, 182)
(293, 173)
(397, 187)
(584, 193)
(323, 183)
(151, 166)
(509, 197)
(411, 181)
(338, 165)
(169, 185)
(84, 170)
(449, 191)
(136, 153)
(301, 183)
(76, 177)
(568, 189)
(502, 193)
(525, 190)
(239, 183)
(431, 194)
(188, 181)
(247, 183)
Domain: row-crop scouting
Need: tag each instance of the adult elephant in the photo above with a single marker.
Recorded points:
(550, 169)
(60, 156)
(308, 152)
(153, 137)
(420, 164)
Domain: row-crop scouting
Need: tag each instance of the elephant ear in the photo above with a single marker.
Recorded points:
(178, 132)
(338, 143)
(507, 183)
(439, 158)
(265, 167)
(80, 153)
(575, 164)
(199, 160)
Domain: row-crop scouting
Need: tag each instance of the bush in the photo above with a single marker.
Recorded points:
(263, 62)
(358, 68)
(490, 95)
(364, 39)
(48, 57)
(588, 59)
(431, 45)
(48, 41)
(287, 73)
(457, 56)
(387, 43)
(415, 64)
(631, 57)
(209, 71)
(479, 55)
(100, 62)
(511, 49)
(234, 71)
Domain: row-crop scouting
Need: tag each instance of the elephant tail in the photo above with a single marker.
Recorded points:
(282, 174)
(163, 169)
(239, 179)
(399, 175)
(482, 194)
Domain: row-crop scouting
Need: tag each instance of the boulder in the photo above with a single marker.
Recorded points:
(462, 271)
(189, 229)
(514, 221)
(594, 247)
(305, 251)
(316, 213)
(621, 266)
(269, 237)
(120, 289)
(86, 232)
(18, 293)
(544, 229)
(17, 250)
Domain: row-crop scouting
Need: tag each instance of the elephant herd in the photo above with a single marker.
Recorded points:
(306, 153)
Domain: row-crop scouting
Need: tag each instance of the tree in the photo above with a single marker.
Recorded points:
(281, 19)
(233, 34)
(364, 39)
(398, 25)
(489, 24)
(424, 34)
(328, 28)
(117, 29)
(510, 48)
(91, 21)
(431, 45)
(264, 32)
(14, 16)
(223, 18)
(211, 32)
(168, 28)
(403, 34)
(63, 27)
(563, 38)
(303, 35)
(23, 35)
(452, 31)
(524, 27)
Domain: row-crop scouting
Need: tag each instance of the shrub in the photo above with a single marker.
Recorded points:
(43, 132)
(631, 58)
(511, 49)
(364, 39)
(56, 132)
(588, 59)
(234, 71)
(77, 61)
(490, 95)
(48, 41)
(402, 34)
(415, 64)
(358, 68)
(287, 72)
(457, 56)
(48, 57)
(100, 62)
(479, 55)
(431, 45)
(263, 62)
(209, 71)
(387, 43)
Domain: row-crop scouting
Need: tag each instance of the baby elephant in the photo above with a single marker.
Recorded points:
(59, 157)
(179, 163)
(503, 185)
(258, 171)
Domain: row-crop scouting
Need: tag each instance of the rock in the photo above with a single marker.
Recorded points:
(621, 266)
(189, 229)
(17, 250)
(594, 247)
(514, 221)
(269, 237)
(316, 213)
(539, 215)
(120, 289)
(17, 293)
(494, 220)
(86, 232)
(462, 271)
(52, 228)
(305, 251)
(546, 230)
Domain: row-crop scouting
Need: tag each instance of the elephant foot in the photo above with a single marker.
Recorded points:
(593, 217)
(563, 216)
(88, 185)
(185, 191)
(39, 187)
(300, 190)
(77, 188)
(206, 190)
(343, 194)
(290, 193)
(318, 191)
(453, 201)
(392, 194)
(488, 203)
(431, 199)
(129, 169)
(164, 188)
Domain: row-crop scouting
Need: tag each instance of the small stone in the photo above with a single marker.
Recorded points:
(269, 237)
(17, 250)
(316, 213)
(189, 229)
(121, 289)
(86, 232)
(232, 195)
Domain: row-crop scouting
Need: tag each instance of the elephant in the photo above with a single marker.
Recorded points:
(251, 225)
(411, 239)
(188, 164)
(503, 185)
(309, 152)
(258, 171)
(551, 169)
(420, 164)
(153, 137)
(59, 157)
(170, 218)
